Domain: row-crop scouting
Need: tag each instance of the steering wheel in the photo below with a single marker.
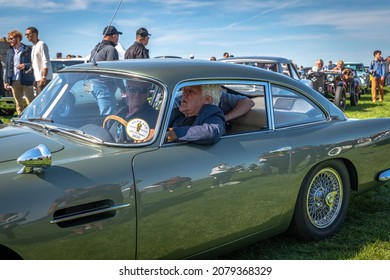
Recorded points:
(124, 123)
(115, 118)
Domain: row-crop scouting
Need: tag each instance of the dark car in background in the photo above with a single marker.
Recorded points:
(277, 64)
(337, 87)
(361, 73)
(58, 64)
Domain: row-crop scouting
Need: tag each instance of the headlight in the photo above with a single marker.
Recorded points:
(330, 78)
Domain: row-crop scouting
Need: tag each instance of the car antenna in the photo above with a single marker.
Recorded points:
(93, 59)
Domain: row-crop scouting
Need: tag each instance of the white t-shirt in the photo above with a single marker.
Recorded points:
(40, 59)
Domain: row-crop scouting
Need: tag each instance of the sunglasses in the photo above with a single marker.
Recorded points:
(137, 90)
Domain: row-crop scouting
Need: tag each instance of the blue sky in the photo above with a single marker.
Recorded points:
(302, 30)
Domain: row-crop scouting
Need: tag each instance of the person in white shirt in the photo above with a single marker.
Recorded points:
(40, 59)
(318, 66)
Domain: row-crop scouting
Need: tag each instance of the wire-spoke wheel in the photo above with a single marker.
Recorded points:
(324, 198)
(322, 202)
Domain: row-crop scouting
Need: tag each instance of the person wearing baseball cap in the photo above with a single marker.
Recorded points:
(111, 30)
(138, 49)
(104, 88)
(105, 50)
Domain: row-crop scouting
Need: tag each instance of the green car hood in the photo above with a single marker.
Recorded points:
(14, 141)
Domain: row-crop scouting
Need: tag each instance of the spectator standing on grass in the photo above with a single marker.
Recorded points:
(40, 59)
(138, 49)
(104, 89)
(18, 75)
(105, 50)
(377, 69)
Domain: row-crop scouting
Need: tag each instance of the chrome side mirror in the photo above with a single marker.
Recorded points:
(38, 157)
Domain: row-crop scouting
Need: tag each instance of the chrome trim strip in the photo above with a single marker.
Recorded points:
(283, 149)
(86, 214)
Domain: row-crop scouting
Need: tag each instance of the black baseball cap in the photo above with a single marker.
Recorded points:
(111, 30)
(143, 32)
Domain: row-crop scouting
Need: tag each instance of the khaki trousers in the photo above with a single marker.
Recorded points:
(18, 91)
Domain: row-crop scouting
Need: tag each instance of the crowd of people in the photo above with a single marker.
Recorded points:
(26, 67)
(379, 70)
(199, 117)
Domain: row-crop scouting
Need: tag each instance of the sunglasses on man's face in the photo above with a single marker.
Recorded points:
(137, 90)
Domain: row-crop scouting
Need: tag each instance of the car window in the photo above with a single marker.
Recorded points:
(114, 109)
(292, 108)
(356, 67)
(256, 118)
(293, 72)
(231, 93)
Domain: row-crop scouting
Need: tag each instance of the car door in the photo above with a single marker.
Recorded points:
(191, 198)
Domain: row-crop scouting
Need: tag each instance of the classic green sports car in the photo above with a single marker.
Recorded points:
(80, 184)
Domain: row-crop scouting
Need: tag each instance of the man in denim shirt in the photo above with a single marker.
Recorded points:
(377, 70)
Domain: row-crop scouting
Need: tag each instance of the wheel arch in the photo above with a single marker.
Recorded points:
(8, 254)
(353, 175)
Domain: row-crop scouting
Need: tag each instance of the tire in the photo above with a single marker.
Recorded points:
(66, 106)
(340, 97)
(322, 202)
(354, 99)
(6, 112)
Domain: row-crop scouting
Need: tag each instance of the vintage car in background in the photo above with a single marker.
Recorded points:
(58, 64)
(361, 74)
(7, 103)
(277, 64)
(337, 86)
(72, 188)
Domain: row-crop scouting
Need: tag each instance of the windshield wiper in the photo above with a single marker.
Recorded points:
(77, 132)
(68, 131)
(40, 119)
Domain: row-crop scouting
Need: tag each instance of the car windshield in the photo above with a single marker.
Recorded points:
(110, 108)
(356, 67)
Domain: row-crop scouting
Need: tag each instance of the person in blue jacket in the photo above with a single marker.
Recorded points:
(198, 119)
(18, 75)
(377, 70)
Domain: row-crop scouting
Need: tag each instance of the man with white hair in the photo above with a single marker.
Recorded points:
(198, 119)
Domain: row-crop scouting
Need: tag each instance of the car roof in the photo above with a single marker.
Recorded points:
(172, 71)
(258, 58)
(176, 70)
(69, 59)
